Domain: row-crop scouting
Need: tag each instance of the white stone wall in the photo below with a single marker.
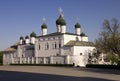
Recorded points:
(44, 31)
(32, 40)
(46, 46)
(29, 53)
(77, 31)
(21, 41)
(16, 60)
(58, 28)
(82, 49)
(51, 49)
(25, 51)
(19, 50)
(36, 48)
(27, 41)
(58, 60)
(8, 57)
(67, 38)
(84, 38)
(67, 51)
(63, 29)
(81, 55)
(78, 60)
(78, 54)
(20, 56)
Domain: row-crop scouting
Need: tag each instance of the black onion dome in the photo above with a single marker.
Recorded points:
(43, 26)
(82, 34)
(33, 34)
(60, 21)
(21, 38)
(27, 37)
(77, 25)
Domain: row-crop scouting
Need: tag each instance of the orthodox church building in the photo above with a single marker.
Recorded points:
(60, 47)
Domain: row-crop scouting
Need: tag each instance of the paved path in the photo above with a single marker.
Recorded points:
(44, 73)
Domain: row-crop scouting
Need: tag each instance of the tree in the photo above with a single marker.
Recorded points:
(112, 58)
(109, 39)
(93, 57)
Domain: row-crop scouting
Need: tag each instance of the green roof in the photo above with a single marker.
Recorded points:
(79, 43)
(60, 21)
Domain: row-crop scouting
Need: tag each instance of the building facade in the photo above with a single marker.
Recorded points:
(60, 47)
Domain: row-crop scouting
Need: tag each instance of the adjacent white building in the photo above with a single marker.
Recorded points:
(60, 47)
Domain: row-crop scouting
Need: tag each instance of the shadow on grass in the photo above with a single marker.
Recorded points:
(24, 76)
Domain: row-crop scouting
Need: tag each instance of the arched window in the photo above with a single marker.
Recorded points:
(59, 45)
(39, 47)
(80, 53)
(47, 46)
(55, 45)
(77, 39)
(22, 55)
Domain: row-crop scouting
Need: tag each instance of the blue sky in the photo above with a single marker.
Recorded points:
(21, 17)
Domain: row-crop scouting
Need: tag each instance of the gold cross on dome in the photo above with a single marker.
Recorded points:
(61, 12)
(77, 19)
(44, 20)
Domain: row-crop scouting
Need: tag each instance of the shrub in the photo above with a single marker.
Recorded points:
(59, 65)
(103, 66)
(1, 57)
(118, 63)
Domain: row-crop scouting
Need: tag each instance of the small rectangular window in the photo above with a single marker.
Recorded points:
(59, 45)
(47, 46)
(39, 47)
(80, 53)
(55, 45)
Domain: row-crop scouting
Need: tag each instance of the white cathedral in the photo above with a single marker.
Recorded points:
(60, 47)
